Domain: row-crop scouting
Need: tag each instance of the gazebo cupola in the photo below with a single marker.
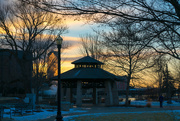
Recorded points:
(87, 62)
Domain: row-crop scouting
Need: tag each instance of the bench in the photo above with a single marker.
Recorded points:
(2, 107)
(21, 107)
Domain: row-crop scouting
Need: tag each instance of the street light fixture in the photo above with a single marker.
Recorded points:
(59, 43)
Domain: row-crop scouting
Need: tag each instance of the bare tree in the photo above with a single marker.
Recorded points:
(168, 84)
(91, 45)
(39, 77)
(137, 10)
(175, 68)
(165, 14)
(45, 68)
(23, 28)
(166, 39)
(126, 50)
(157, 71)
(40, 74)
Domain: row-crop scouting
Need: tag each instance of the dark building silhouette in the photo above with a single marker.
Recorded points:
(11, 78)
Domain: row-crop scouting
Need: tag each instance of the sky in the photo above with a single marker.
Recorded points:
(75, 30)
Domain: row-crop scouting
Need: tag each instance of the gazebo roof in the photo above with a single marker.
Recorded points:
(87, 60)
(88, 74)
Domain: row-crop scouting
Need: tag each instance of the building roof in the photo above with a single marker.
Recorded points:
(55, 53)
(8, 52)
(87, 60)
(88, 74)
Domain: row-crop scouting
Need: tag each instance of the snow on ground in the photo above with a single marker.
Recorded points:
(153, 103)
(48, 113)
(51, 91)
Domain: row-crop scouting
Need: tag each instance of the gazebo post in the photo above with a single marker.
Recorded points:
(68, 91)
(115, 94)
(79, 94)
(71, 95)
(94, 95)
(109, 97)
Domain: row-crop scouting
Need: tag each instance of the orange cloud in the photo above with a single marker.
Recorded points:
(70, 54)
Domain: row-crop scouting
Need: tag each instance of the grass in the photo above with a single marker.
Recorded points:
(131, 117)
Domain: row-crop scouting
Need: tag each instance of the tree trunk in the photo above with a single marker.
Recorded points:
(37, 80)
(127, 103)
(26, 72)
(37, 97)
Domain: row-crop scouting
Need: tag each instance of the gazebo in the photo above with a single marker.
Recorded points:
(88, 73)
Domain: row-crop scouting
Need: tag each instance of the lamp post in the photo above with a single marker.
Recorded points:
(59, 43)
